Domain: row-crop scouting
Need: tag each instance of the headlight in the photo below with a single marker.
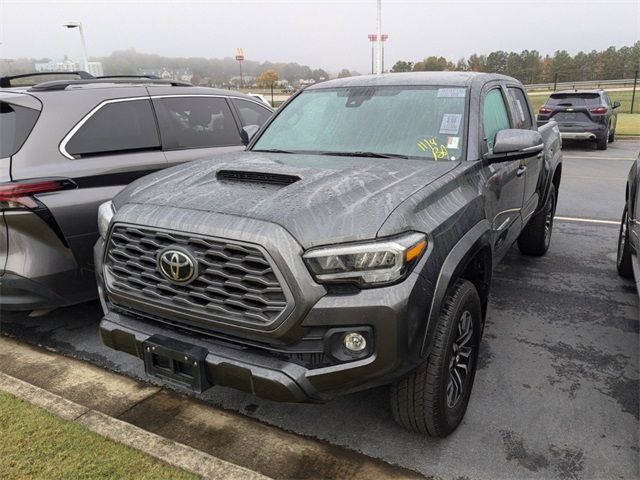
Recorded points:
(105, 214)
(367, 264)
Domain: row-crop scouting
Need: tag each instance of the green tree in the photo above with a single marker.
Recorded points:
(402, 66)
(433, 64)
(319, 75)
(496, 62)
(344, 73)
(477, 63)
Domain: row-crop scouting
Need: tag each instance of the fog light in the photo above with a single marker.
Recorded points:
(354, 342)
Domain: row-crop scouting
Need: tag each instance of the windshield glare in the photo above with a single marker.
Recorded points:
(413, 121)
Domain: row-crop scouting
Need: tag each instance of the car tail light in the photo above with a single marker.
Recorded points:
(599, 110)
(544, 111)
(20, 194)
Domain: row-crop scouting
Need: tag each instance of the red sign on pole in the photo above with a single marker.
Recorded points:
(374, 38)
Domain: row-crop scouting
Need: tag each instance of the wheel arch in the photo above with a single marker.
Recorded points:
(472, 259)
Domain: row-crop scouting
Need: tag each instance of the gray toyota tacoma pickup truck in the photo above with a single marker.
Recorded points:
(351, 245)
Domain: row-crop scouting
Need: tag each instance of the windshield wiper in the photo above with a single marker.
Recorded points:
(273, 150)
(365, 154)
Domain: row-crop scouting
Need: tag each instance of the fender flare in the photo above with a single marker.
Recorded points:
(458, 258)
(548, 181)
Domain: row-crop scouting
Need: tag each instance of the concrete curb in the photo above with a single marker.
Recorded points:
(168, 451)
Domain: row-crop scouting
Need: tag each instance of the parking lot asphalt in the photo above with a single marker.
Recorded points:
(557, 390)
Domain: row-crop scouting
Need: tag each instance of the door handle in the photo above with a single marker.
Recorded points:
(521, 170)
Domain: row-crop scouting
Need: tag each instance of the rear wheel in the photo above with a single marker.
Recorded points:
(433, 398)
(612, 136)
(601, 143)
(624, 249)
(536, 236)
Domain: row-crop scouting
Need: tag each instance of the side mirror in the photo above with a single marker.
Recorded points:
(616, 104)
(248, 132)
(514, 144)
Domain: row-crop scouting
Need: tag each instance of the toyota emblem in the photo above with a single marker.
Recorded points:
(177, 266)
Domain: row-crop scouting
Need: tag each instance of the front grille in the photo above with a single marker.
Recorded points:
(237, 283)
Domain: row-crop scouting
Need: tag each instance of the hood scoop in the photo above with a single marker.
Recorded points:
(257, 177)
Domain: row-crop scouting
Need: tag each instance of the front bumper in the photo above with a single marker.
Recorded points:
(257, 369)
(263, 363)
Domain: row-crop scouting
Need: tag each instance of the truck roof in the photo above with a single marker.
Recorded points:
(455, 79)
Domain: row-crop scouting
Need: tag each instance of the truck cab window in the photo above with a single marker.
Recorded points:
(494, 116)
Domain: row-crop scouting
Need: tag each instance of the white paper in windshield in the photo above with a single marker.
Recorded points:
(451, 92)
(450, 123)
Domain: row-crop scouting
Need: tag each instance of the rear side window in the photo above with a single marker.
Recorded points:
(196, 122)
(523, 114)
(494, 116)
(16, 123)
(117, 127)
(250, 113)
(574, 100)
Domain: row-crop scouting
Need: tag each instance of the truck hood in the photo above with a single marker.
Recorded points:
(318, 199)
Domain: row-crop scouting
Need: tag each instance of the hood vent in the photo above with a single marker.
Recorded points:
(257, 177)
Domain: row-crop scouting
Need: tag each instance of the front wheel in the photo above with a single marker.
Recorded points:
(433, 398)
(623, 262)
(535, 238)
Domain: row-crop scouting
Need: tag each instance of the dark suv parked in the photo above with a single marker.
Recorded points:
(67, 146)
(582, 115)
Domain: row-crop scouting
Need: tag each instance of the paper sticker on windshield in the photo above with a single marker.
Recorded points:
(451, 93)
(453, 142)
(450, 123)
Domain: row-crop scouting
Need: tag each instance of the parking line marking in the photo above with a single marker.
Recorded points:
(571, 157)
(588, 220)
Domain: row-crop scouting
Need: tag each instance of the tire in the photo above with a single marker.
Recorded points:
(602, 143)
(612, 136)
(536, 237)
(623, 260)
(433, 399)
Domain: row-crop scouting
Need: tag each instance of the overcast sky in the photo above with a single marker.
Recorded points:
(327, 34)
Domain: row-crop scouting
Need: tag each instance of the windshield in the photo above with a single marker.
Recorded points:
(394, 121)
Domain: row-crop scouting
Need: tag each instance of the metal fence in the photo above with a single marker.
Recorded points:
(589, 84)
(625, 82)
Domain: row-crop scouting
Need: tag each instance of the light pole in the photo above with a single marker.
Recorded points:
(379, 39)
(240, 58)
(373, 38)
(78, 25)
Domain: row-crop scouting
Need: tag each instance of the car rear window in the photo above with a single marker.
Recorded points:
(122, 126)
(16, 123)
(574, 100)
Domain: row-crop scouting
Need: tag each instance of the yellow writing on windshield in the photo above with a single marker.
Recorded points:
(439, 151)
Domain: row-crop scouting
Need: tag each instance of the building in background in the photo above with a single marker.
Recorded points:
(66, 65)
(183, 74)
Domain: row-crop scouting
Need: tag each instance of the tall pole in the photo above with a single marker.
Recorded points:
(85, 57)
(372, 63)
(240, 58)
(379, 39)
(84, 48)
(633, 95)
